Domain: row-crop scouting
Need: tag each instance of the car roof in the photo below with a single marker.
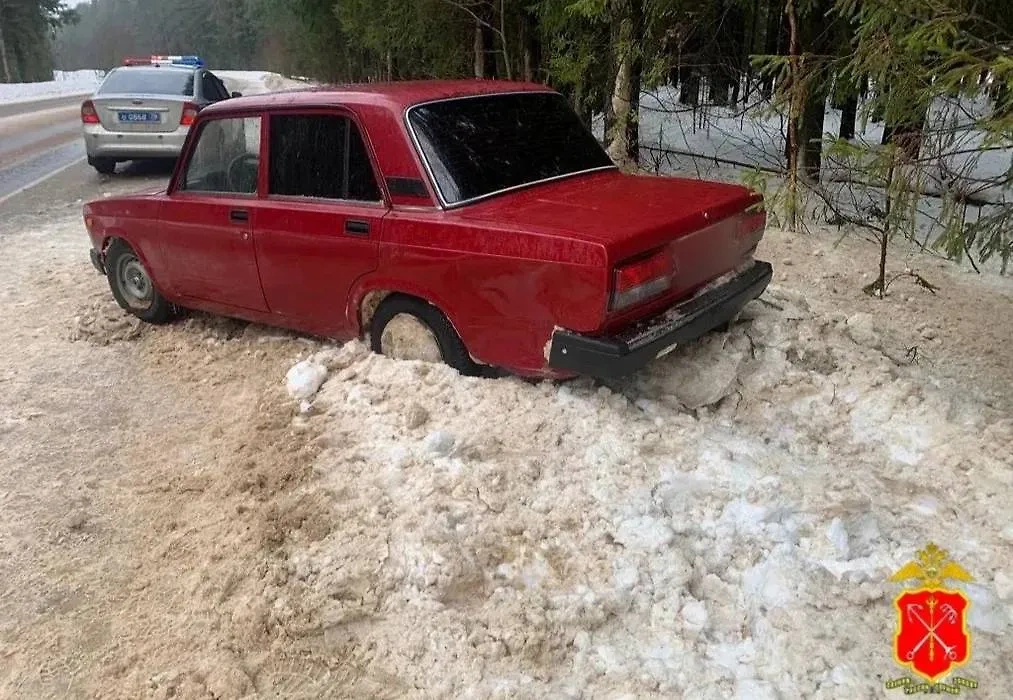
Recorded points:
(397, 95)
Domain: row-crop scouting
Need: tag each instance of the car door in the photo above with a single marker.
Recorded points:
(207, 221)
(318, 227)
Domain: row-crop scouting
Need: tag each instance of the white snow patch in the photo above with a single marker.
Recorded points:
(304, 379)
(572, 540)
(80, 82)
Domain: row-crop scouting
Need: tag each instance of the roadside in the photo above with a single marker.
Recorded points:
(137, 482)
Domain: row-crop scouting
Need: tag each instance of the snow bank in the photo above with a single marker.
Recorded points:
(81, 82)
(650, 537)
(250, 82)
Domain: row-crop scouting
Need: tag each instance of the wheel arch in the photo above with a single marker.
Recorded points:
(113, 235)
(367, 297)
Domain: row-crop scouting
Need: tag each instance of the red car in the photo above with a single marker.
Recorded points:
(474, 222)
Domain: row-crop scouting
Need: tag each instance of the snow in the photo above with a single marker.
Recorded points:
(303, 380)
(85, 82)
(80, 82)
(649, 536)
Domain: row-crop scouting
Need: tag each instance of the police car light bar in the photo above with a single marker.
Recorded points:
(157, 60)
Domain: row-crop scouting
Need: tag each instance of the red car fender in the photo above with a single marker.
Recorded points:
(372, 282)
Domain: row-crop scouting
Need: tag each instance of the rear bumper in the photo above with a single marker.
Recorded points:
(618, 355)
(101, 143)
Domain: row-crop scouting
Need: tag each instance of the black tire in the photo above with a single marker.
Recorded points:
(132, 286)
(452, 348)
(105, 166)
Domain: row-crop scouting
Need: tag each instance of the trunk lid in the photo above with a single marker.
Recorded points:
(138, 114)
(703, 224)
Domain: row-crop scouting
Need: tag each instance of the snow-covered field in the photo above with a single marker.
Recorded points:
(81, 82)
(720, 526)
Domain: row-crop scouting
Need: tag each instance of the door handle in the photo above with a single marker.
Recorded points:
(355, 227)
(239, 215)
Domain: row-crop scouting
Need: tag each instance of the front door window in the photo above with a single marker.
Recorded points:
(226, 158)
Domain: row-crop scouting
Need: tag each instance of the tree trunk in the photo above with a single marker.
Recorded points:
(636, 73)
(814, 34)
(507, 69)
(488, 57)
(811, 132)
(791, 145)
(717, 79)
(849, 116)
(772, 41)
(689, 86)
(3, 57)
(532, 48)
(625, 145)
(618, 147)
(479, 47)
(749, 48)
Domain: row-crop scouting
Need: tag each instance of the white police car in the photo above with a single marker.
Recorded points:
(144, 109)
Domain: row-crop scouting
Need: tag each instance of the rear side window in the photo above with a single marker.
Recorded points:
(149, 81)
(210, 88)
(319, 155)
(226, 157)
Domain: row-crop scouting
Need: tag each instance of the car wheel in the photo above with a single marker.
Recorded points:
(132, 286)
(406, 328)
(105, 166)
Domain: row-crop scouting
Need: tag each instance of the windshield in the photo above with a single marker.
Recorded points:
(149, 81)
(477, 146)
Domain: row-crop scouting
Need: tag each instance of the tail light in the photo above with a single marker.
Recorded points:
(642, 279)
(88, 113)
(189, 114)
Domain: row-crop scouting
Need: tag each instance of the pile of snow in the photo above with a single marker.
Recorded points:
(80, 82)
(252, 82)
(720, 525)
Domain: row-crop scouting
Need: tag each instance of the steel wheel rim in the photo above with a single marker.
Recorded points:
(134, 283)
(405, 337)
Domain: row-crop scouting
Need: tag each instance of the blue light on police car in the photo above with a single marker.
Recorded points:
(191, 60)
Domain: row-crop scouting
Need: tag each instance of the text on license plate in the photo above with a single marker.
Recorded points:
(139, 117)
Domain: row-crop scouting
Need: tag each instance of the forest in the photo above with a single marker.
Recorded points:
(936, 76)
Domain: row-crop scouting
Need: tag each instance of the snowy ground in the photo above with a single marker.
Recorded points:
(720, 526)
(175, 523)
(81, 82)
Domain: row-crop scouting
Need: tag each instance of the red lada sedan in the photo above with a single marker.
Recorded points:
(474, 222)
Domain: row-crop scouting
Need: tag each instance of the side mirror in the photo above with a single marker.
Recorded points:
(237, 94)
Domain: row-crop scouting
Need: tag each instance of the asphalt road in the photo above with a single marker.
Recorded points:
(37, 139)
(43, 167)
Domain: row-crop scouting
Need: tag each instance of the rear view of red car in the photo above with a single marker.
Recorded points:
(474, 222)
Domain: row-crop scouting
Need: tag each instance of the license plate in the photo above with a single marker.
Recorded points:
(140, 117)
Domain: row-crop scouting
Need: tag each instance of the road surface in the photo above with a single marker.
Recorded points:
(38, 139)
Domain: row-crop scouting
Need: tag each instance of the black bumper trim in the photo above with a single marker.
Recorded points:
(619, 355)
(96, 260)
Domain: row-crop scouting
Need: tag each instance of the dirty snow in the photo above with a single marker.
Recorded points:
(175, 523)
(652, 537)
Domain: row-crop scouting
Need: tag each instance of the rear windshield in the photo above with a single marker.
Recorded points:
(476, 146)
(149, 81)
